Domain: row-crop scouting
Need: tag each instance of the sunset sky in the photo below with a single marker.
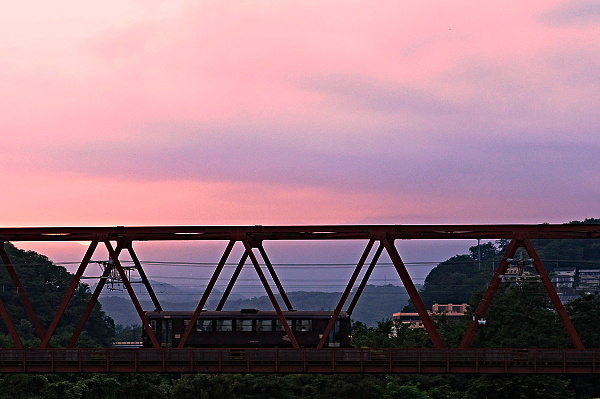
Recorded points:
(151, 112)
(274, 112)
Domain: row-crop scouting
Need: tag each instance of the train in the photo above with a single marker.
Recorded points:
(250, 328)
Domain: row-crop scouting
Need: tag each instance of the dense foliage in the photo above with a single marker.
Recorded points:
(456, 279)
(521, 316)
(256, 386)
(565, 253)
(46, 284)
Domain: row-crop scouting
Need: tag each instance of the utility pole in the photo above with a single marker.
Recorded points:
(479, 253)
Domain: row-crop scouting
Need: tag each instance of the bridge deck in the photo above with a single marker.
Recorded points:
(281, 361)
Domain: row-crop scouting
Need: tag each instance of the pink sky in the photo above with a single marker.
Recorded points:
(136, 112)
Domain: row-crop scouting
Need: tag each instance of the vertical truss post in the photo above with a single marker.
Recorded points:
(271, 270)
(413, 293)
(232, 281)
(365, 278)
(562, 313)
(21, 291)
(486, 301)
(207, 291)
(127, 284)
(270, 294)
(69, 294)
(142, 273)
(346, 293)
(10, 326)
(92, 302)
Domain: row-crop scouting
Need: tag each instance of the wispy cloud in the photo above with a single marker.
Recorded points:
(573, 13)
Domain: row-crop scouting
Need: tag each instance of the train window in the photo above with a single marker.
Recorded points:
(243, 325)
(225, 325)
(279, 326)
(304, 325)
(335, 335)
(204, 325)
(264, 325)
(153, 325)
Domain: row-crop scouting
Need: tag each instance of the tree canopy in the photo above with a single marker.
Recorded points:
(45, 285)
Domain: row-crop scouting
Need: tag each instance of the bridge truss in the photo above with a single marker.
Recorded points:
(377, 239)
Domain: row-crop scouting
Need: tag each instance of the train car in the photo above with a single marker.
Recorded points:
(247, 328)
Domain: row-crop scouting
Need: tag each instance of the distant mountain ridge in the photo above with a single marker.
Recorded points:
(376, 302)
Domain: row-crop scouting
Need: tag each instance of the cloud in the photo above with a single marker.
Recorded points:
(475, 165)
(573, 13)
(380, 96)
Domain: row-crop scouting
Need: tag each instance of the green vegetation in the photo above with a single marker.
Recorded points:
(46, 285)
(563, 253)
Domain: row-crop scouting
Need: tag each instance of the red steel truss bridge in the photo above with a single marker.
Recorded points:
(377, 239)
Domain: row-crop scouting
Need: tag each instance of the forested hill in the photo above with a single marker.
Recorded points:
(45, 285)
(458, 278)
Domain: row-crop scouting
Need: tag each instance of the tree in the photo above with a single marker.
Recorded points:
(45, 285)
(521, 316)
(393, 390)
(515, 387)
(456, 279)
(387, 334)
(585, 315)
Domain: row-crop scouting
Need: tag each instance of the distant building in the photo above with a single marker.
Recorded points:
(564, 277)
(589, 281)
(564, 280)
(412, 319)
(449, 310)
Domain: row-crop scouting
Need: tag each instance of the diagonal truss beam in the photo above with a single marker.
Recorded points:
(207, 291)
(346, 293)
(271, 270)
(10, 326)
(486, 301)
(142, 273)
(232, 281)
(270, 294)
(560, 309)
(413, 293)
(69, 294)
(136, 303)
(100, 286)
(92, 302)
(21, 291)
(365, 278)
